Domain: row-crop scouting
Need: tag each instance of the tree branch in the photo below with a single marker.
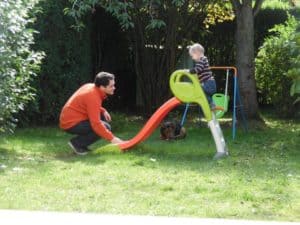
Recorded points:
(257, 6)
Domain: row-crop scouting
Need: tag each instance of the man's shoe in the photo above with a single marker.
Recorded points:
(77, 150)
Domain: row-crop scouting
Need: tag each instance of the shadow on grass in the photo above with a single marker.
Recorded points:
(198, 147)
(166, 153)
(256, 148)
(14, 161)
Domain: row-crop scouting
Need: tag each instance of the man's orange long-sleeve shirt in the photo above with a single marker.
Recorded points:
(85, 104)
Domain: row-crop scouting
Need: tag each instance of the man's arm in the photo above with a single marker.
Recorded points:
(107, 116)
(94, 111)
(102, 109)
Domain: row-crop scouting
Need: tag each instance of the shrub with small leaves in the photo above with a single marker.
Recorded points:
(18, 63)
(294, 71)
(274, 63)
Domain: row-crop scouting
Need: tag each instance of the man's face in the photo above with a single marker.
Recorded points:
(110, 88)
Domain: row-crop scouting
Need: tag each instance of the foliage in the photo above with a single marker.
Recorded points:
(219, 40)
(125, 11)
(68, 63)
(18, 62)
(275, 4)
(259, 180)
(265, 20)
(294, 71)
(73, 58)
(273, 64)
(155, 30)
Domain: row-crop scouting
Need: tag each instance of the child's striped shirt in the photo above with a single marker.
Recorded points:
(201, 68)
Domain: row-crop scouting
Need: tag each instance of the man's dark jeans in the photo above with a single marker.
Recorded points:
(85, 134)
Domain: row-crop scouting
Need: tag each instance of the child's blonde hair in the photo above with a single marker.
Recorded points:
(196, 47)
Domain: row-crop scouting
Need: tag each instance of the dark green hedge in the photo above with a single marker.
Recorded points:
(67, 64)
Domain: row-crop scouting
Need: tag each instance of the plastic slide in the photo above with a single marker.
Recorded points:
(185, 92)
(151, 124)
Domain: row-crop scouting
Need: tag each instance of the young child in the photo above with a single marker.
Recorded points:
(201, 68)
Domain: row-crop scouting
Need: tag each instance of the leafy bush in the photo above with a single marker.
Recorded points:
(276, 4)
(18, 63)
(294, 72)
(273, 63)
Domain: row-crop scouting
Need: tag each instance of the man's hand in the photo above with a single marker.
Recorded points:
(107, 116)
(116, 140)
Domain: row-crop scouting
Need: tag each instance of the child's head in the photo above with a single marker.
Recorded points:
(196, 51)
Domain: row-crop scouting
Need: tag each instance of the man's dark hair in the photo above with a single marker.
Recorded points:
(103, 78)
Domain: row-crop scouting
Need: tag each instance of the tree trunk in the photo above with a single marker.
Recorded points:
(245, 58)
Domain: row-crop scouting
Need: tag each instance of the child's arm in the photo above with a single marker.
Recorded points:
(198, 68)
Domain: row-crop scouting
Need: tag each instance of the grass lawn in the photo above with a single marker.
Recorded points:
(260, 179)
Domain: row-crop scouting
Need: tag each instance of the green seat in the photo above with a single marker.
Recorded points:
(221, 101)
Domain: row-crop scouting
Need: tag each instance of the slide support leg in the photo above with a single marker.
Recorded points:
(184, 114)
(217, 133)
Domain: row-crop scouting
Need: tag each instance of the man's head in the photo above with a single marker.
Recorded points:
(105, 82)
(196, 51)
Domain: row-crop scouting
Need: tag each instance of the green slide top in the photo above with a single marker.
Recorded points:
(186, 87)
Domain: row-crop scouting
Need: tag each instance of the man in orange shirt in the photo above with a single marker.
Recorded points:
(82, 114)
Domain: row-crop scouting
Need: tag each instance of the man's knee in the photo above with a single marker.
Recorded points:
(107, 125)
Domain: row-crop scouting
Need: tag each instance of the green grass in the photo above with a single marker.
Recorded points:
(260, 179)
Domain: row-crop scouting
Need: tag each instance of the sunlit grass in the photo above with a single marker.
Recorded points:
(260, 179)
